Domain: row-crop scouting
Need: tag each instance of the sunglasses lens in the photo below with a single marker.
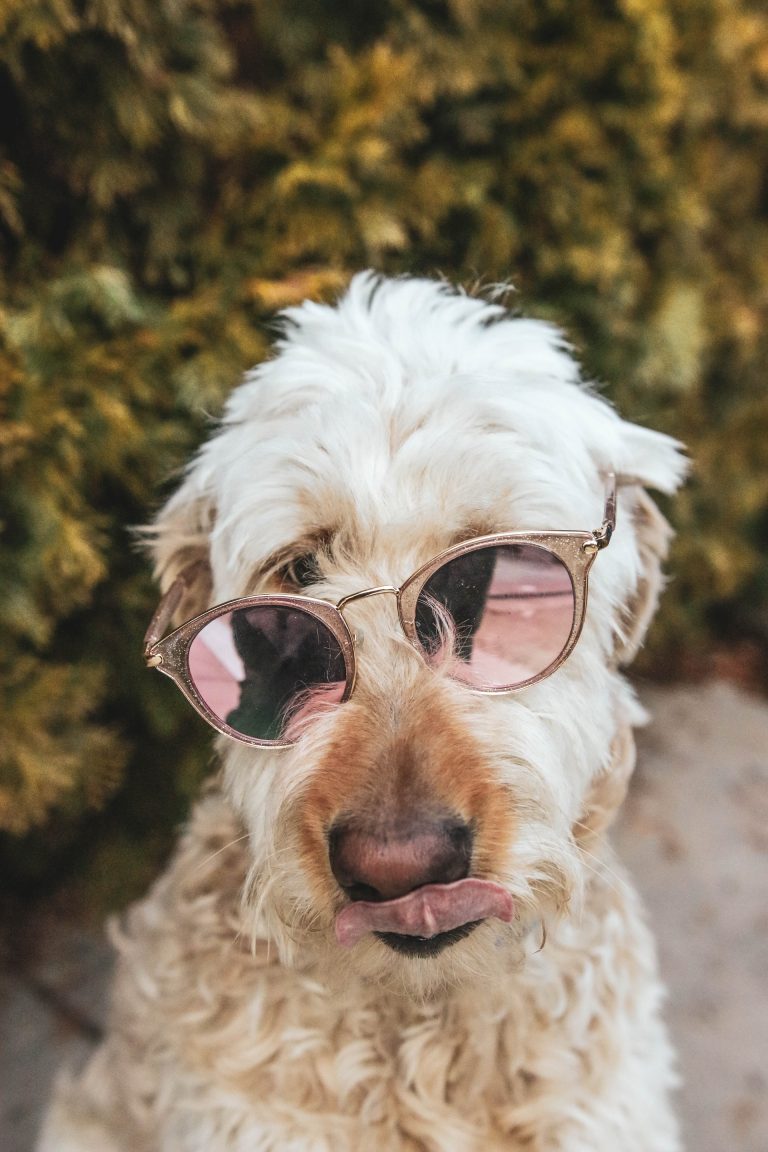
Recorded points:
(264, 668)
(500, 615)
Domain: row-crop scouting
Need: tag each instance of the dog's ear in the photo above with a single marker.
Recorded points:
(653, 535)
(179, 541)
(654, 460)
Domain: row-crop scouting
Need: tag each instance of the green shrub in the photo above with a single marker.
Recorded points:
(170, 173)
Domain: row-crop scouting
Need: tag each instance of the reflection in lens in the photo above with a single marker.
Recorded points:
(255, 668)
(499, 615)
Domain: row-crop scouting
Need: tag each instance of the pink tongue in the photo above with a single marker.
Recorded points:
(426, 911)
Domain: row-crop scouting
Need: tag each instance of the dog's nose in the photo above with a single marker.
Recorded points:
(391, 860)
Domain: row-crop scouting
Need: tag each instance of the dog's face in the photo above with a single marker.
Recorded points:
(419, 832)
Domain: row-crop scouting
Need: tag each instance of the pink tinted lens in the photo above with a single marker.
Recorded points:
(500, 615)
(257, 668)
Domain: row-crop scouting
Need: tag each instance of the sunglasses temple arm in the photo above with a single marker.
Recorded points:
(164, 613)
(604, 533)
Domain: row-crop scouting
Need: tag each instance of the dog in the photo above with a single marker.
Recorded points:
(395, 921)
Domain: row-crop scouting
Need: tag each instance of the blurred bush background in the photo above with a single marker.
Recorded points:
(173, 171)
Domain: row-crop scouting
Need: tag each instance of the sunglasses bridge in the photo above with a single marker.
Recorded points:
(341, 604)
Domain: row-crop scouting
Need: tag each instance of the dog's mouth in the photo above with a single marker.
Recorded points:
(427, 920)
(425, 946)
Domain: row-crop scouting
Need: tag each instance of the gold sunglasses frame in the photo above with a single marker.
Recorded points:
(170, 654)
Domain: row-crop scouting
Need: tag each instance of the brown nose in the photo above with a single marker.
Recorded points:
(393, 859)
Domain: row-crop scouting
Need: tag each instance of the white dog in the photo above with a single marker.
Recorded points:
(396, 923)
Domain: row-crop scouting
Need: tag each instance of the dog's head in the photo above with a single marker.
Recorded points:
(418, 831)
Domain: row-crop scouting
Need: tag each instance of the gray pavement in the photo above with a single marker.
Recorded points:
(694, 832)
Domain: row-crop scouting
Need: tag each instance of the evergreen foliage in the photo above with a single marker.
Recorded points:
(172, 171)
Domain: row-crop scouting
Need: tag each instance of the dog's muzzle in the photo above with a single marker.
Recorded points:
(409, 884)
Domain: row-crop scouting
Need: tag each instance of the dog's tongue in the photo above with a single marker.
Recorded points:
(426, 911)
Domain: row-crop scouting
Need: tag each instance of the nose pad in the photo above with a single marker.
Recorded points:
(391, 860)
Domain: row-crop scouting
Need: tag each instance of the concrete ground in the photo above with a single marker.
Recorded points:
(694, 831)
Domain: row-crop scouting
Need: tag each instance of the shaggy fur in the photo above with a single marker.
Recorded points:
(407, 418)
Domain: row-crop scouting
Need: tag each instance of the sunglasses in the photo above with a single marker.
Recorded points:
(496, 613)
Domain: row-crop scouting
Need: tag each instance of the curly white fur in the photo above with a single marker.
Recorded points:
(407, 417)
